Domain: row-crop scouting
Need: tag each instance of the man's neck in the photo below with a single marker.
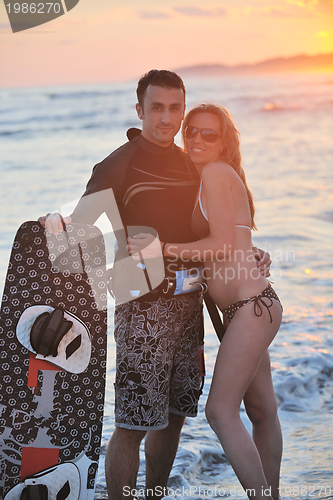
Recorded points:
(148, 138)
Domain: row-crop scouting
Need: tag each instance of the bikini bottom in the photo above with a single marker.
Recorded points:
(269, 293)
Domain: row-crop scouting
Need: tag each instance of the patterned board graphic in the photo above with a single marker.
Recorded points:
(48, 415)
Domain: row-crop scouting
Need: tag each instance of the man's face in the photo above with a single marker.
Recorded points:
(162, 114)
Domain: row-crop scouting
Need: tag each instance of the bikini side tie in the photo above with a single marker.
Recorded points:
(257, 307)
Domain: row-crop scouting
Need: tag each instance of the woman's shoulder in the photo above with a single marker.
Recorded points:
(217, 170)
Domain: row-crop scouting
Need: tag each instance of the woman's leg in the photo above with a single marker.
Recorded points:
(261, 407)
(244, 344)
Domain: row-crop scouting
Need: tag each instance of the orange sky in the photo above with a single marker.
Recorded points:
(113, 40)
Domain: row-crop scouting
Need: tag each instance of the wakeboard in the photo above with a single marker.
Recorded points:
(53, 324)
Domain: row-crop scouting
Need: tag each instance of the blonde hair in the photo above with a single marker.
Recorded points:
(231, 153)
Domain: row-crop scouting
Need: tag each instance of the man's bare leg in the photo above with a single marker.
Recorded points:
(122, 462)
(160, 449)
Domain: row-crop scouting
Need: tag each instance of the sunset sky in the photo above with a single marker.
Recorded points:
(118, 40)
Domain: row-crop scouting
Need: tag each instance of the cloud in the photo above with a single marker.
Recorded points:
(200, 12)
(279, 13)
(304, 3)
(292, 9)
(156, 14)
(274, 12)
(189, 11)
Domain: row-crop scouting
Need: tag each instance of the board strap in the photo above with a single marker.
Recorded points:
(47, 332)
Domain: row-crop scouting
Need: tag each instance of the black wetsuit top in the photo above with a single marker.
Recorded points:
(157, 189)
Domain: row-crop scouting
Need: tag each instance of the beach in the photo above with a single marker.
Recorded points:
(51, 137)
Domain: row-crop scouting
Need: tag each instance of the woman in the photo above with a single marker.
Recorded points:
(223, 218)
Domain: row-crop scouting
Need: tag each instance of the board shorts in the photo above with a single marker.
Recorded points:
(157, 365)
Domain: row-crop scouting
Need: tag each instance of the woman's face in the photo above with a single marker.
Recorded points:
(202, 151)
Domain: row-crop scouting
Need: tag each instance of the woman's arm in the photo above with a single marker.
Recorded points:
(217, 181)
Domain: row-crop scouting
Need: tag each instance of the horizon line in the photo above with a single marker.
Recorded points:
(193, 66)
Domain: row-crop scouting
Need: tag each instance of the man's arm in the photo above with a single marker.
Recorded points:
(107, 175)
(92, 204)
(87, 211)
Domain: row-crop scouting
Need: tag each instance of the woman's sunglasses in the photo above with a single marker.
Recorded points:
(207, 134)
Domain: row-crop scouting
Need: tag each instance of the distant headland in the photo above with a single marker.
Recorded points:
(322, 63)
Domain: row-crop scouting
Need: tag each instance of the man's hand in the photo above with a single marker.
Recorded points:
(144, 245)
(263, 261)
(54, 222)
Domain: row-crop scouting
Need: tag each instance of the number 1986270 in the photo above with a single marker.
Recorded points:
(34, 8)
(307, 491)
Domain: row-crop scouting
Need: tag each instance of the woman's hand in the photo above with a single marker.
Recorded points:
(263, 261)
(144, 246)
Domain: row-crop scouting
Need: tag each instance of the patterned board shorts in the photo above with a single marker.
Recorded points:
(157, 360)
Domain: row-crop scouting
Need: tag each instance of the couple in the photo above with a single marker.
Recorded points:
(158, 378)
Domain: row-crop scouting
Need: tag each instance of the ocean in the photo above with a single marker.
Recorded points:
(52, 137)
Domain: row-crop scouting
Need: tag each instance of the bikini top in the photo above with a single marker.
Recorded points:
(199, 223)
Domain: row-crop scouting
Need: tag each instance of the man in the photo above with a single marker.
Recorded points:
(158, 378)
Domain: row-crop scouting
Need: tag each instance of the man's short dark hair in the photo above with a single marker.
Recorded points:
(161, 78)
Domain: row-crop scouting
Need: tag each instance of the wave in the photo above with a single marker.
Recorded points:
(52, 118)
(85, 94)
(277, 238)
(110, 125)
(271, 103)
(278, 106)
(276, 102)
(327, 216)
(6, 133)
(307, 385)
(31, 132)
